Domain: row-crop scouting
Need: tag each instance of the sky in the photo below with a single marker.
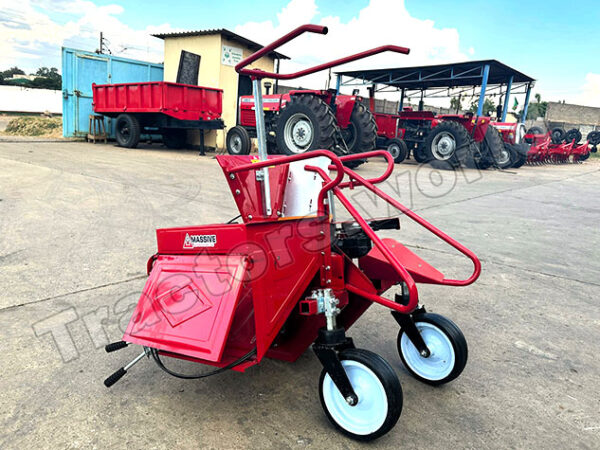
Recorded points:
(557, 43)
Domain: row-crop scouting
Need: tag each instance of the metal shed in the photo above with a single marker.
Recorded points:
(433, 81)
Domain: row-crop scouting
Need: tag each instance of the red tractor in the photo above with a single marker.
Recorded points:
(450, 138)
(305, 120)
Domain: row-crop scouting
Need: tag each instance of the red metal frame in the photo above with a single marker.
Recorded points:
(215, 292)
(181, 101)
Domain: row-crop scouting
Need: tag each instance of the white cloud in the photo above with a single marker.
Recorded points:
(30, 38)
(590, 93)
(380, 22)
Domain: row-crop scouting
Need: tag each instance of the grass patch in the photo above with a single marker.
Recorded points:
(35, 126)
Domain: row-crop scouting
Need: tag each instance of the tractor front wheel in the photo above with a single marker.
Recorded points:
(238, 141)
(494, 144)
(398, 149)
(306, 123)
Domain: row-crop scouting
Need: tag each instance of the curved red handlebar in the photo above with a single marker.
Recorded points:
(256, 73)
(337, 163)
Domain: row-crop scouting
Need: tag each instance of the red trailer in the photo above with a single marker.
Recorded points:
(158, 107)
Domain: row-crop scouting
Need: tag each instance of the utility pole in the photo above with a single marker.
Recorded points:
(101, 43)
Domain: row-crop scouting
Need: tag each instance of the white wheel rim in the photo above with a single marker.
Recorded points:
(394, 150)
(369, 414)
(235, 144)
(298, 133)
(443, 146)
(504, 156)
(440, 362)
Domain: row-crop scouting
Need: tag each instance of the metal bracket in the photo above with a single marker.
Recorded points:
(407, 324)
(326, 347)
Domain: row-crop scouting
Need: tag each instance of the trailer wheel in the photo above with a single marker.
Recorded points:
(446, 343)
(398, 149)
(306, 123)
(361, 134)
(493, 142)
(127, 131)
(174, 139)
(238, 141)
(444, 140)
(379, 396)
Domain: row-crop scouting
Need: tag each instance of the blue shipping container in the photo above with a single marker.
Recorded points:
(80, 69)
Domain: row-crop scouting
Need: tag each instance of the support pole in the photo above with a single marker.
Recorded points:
(262, 174)
(524, 117)
(338, 83)
(401, 105)
(506, 98)
(484, 81)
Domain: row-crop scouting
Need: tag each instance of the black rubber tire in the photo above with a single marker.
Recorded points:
(475, 158)
(174, 139)
(461, 139)
(361, 134)
(572, 134)
(320, 116)
(584, 156)
(494, 144)
(420, 155)
(535, 130)
(389, 380)
(557, 134)
(127, 131)
(520, 152)
(272, 148)
(454, 335)
(238, 141)
(593, 138)
(398, 149)
(594, 148)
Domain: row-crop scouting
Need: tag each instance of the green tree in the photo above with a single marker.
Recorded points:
(456, 104)
(10, 72)
(536, 109)
(488, 107)
(47, 78)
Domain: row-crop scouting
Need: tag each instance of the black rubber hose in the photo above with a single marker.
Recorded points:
(156, 356)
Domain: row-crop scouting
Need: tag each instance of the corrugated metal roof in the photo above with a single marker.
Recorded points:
(225, 32)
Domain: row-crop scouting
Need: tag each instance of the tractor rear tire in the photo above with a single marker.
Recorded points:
(398, 149)
(493, 142)
(238, 141)
(127, 131)
(174, 139)
(361, 134)
(306, 123)
(420, 155)
(444, 140)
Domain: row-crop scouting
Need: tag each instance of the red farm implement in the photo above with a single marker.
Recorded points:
(290, 276)
(158, 107)
(558, 147)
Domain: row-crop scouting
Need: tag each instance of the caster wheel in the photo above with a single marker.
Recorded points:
(379, 396)
(448, 348)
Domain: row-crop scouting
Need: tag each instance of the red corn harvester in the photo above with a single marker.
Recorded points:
(290, 276)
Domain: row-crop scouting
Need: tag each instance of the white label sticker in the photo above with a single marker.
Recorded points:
(199, 240)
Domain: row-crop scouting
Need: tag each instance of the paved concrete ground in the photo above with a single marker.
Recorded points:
(77, 225)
